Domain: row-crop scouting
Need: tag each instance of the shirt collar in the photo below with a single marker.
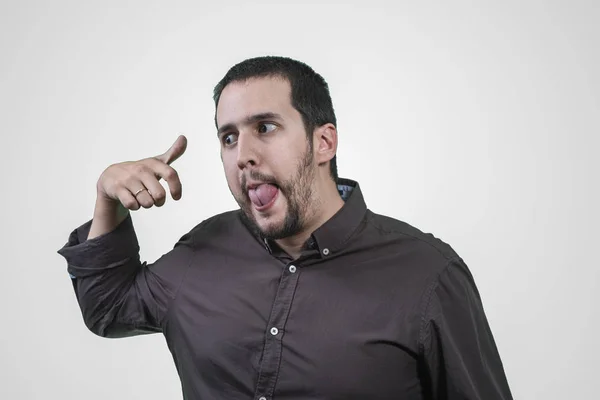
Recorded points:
(331, 236)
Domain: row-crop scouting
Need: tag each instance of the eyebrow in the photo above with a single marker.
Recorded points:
(250, 120)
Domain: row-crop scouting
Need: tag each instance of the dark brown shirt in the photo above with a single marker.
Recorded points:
(372, 309)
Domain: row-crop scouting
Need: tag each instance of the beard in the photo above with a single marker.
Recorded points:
(298, 192)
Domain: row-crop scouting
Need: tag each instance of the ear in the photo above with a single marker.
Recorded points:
(325, 142)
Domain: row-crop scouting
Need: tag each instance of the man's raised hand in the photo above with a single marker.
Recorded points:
(136, 184)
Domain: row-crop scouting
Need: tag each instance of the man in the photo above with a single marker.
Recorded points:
(302, 293)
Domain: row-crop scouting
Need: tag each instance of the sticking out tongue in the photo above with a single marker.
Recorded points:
(262, 194)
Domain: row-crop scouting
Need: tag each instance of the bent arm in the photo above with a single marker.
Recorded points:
(119, 295)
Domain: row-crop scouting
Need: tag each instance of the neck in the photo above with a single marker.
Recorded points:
(328, 202)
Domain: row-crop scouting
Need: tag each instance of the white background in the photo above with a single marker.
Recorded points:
(475, 121)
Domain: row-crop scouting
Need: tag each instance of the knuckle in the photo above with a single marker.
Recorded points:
(171, 174)
(130, 204)
(159, 195)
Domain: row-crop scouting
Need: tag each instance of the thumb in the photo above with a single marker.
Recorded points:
(175, 151)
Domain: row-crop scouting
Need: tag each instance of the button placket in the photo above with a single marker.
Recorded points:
(271, 354)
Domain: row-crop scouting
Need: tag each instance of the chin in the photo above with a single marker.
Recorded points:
(278, 222)
(268, 224)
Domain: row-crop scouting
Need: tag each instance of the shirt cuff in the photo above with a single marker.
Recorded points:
(88, 257)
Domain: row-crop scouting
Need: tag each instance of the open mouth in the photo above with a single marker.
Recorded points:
(263, 196)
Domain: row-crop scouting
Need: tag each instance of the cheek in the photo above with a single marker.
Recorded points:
(231, 174)
(280, 159)
(233, 181)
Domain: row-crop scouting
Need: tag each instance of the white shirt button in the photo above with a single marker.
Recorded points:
(326, 251)
(274, 331)
(262, 398)
(292, 268)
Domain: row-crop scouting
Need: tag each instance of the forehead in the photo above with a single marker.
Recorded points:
(242, 99)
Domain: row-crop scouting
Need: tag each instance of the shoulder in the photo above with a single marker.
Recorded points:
(407, 235)
(436, 269)
(440, 265)
(420, 257)
(217, 225)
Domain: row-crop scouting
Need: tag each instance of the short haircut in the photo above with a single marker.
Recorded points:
(310, 92)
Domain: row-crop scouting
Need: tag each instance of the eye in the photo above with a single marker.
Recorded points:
(266, 127)
(228, 139)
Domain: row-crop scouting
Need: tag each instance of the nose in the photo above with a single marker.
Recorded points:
(247, 151)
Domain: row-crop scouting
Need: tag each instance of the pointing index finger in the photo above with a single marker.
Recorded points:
(168, 173)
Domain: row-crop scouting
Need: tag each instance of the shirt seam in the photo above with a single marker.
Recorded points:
(192, 246)
(427, 298)
(388, 232)
(175, 296)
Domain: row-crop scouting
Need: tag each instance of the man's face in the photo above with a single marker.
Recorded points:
(267, 158)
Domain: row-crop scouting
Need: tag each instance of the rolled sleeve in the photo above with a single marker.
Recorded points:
(118, 295)
(89, 257)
